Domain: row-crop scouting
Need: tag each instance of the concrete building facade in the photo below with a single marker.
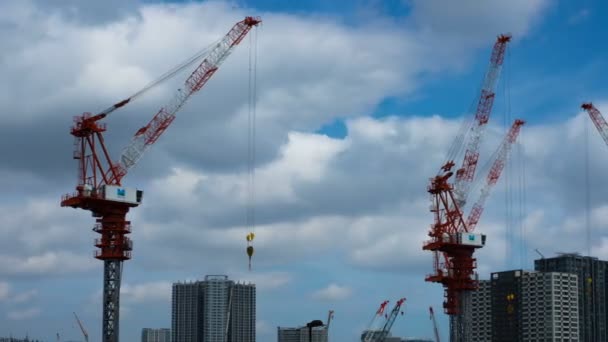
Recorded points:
(592, 291)
(155, 335)
(204, 311)
(478, 322)
(558, 291)
(300, 334)
(524, 306)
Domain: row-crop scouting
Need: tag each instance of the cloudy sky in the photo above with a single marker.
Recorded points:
(358, 102)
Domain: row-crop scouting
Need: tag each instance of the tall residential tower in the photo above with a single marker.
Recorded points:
(205, 311)
(592, 288)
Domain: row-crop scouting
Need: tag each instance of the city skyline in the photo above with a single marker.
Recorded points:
(357, 103)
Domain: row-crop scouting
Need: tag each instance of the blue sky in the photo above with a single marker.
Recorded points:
(358, 103)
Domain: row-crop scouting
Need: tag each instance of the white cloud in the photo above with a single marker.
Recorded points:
(333, 292)
(263, 327)
(4, 290)
(146, 292)
(48, 263)
(24, 296)
(264, 281)
(579, 16)
(18, 315)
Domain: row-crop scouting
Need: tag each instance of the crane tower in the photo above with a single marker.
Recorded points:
(100, 190)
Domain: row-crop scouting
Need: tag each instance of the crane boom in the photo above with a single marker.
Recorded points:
(598, 120)
(499, 163)
(330, 315)
(370, 336)
(84, 332)
(390, 321)
(466, 173)
(435, 329)
(149, 134)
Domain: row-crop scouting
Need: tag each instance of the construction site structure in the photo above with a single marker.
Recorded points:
(453, 241)
(435, 329)
(99, 187)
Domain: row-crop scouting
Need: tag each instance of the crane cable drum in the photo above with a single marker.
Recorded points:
(251, 139)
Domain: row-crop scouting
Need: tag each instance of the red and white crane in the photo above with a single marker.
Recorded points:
(435, 329)
(452, 239)
(99, 188)
(371, 327)
(466, 173)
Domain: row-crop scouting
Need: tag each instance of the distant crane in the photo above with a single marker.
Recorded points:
(99, 188)
(370, 331)
(435, 329)
(84, 332)
(330, 315)
(390, 321)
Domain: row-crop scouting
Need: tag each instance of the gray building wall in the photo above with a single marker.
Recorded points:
(506, 305)
(524, 306)
(200, 311)
(155, 335)
(242, 321)
(478, 319)
(550, 307)
(216, 293)
(592, 287)
(288, 334)
(300, 334)
(187, 312)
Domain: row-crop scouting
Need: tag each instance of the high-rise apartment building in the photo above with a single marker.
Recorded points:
(592, 287)
(300, 334)
(155, 335)
(524, 306)
(558, 291)
(205, 311)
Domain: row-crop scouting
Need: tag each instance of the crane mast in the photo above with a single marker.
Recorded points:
(466, 173)
(435, 329)
(99, 188)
